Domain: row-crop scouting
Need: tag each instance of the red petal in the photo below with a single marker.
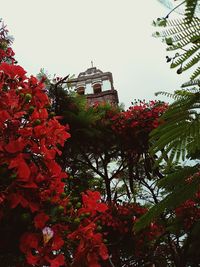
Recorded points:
(40, 220)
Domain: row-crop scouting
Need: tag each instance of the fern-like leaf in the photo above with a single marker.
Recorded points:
(196, 74)
(182, 36)
(171, 201)
(178, 136)
(190, 8)
(193, 82)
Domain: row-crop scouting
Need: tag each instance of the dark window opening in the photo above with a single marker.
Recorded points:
(81, 90)
(97, 88)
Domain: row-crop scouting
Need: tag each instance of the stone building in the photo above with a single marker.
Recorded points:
(96, 85)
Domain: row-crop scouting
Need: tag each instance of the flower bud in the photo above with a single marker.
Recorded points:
(37, 122)
(28, 97)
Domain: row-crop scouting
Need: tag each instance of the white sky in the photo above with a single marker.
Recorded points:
(63, 37)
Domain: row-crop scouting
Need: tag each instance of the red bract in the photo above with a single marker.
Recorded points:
(91, 203)
(32, 185)
(12, 72)
(40, 220)
(90, 246)
(57, 261)
(121, 217)
(29, 141)
(117, 223)
(142, 117)
(20, 166)
(41, 251)
(188, 213)
(29, 241)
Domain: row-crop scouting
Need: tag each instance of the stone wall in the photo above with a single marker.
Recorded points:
(110, 96)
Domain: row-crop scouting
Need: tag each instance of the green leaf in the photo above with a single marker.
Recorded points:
(169, 41)
(170, 202)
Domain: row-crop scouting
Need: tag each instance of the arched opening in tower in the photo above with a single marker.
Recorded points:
(97, 88)
(81, 90)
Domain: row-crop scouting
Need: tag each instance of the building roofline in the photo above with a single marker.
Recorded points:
(92, 76)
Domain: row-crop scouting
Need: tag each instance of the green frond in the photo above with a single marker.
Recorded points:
(192, 83)
(170, 202)
(182, 22)
(179, 135)
(184, 93)
(190, 8)
(168, 137)
(180, 40)
(177, 178)
(196, 74)
(186, 55)
(170, 95)
(179, 26)
(182, 36)
(193, 137)
(179, 151)
(191, 63)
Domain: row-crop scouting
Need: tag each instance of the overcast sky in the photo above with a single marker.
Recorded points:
(63, 37)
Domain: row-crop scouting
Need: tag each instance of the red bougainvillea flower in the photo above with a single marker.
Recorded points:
(12, 72)
(41, 252)
(91, 203)
(32, 179)
(56, 261)
(141, 116)
(188, 213)
(40, 220)
(90, 246)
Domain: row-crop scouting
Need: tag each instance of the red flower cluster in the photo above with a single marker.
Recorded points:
(90, 246)
(5, 54)
(29, 142)
(43, 250)
(32, 191)
(121, 217)
(91, 203)
(188, 213)
(139, 117)
(46, 228)
(117, 226)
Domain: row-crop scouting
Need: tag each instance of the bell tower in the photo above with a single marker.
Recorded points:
(96, 85)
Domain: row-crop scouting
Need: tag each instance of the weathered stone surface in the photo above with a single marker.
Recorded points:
(96, 85)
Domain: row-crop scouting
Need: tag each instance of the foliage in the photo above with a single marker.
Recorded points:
(190, 7)
(39, 221)
(177, 138)
(75, 179)
(50, 218)
(182, 36)
(112, 143)
(180, 192)
(179, 133)
(112, 157)
(6, 52)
